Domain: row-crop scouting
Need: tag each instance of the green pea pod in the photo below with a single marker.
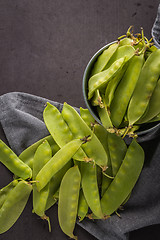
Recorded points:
(42, 155)
(112, 85)
(93, 148)
(82, 206)
(101, 79)
(117, 149)
(90, 188)
(155, 119)
(14, 205)
(105, 117)
(68, 201)
(28, 154)
(6, 190)
(87, 117)
(54, 183)
(125, 51)
(13, 162)
(103, 59)
(124, 180)
(59, 129)
(153, 108)
(57, 162)
(125, 90)
(125, 41)
(147, 81)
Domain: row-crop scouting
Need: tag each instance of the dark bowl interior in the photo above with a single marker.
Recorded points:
(144, 129)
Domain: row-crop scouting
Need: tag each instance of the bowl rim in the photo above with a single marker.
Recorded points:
(85, 83)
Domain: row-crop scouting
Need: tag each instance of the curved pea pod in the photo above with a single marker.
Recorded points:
(125, 51)
(125, 41)
(68, 201)
(144, 88)
(59, 129)
(90, 188)
(155, 119)
(54, 183)
(6, 190)
(103, 59)
(100, 80)
(104, 116)
(13, 162)
(124, 180)
(87, 117)
(82, 206)
(125, 90)
(93, 148)
(57, 162)
(117, 149)
(28, 154)
(112, 85)
(42, 155)
(14, 205)
(153, 108)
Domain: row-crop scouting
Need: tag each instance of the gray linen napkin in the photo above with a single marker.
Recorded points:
(21, 117)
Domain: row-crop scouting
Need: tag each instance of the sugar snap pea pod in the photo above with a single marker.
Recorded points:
(90, 188)
(59, 129)
(6, 190)
(112, 85)
(28, 154)
(102, 135)
(124, 180)
(125, 41)
(147, 81)
(42, 155)
(103, 59)
(14, 205)
(82, 206)
(117, 148)
(155, 119)
(125, 89)
(68, 201)
(87, 117)
(104, 117)
(101, 79)
(153, 107)
(79, 129)
(54, 183)
(57, 162)
(125, 51)
(13, 162)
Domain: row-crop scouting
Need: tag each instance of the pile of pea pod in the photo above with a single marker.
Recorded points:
(84, 167)
(124, 86)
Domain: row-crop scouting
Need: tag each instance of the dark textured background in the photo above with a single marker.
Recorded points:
(45, 46)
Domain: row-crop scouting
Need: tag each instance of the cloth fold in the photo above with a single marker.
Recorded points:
(21, 117)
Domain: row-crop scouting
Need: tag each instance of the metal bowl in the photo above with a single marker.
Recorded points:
(144, 129)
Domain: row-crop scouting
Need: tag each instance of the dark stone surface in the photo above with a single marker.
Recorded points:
(44, 49)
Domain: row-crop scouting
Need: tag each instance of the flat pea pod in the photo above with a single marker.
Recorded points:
(117, 149)
(125, 90)
(68, 201)
(57, 162)
(82, 206)
(14, 205)
(101, 79)
(104, 116)
(87, 117)
(103, 59)
(90, 188)
(28, 154)
(79, 129)
(153, 108)
(112, 85)
(13, 162)
(125, 41)
(54, 183)
(59, 129)
(147, 81)
(124, 180)
(155, 119)
(124, 51)
(42, 155)
(6, 190)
